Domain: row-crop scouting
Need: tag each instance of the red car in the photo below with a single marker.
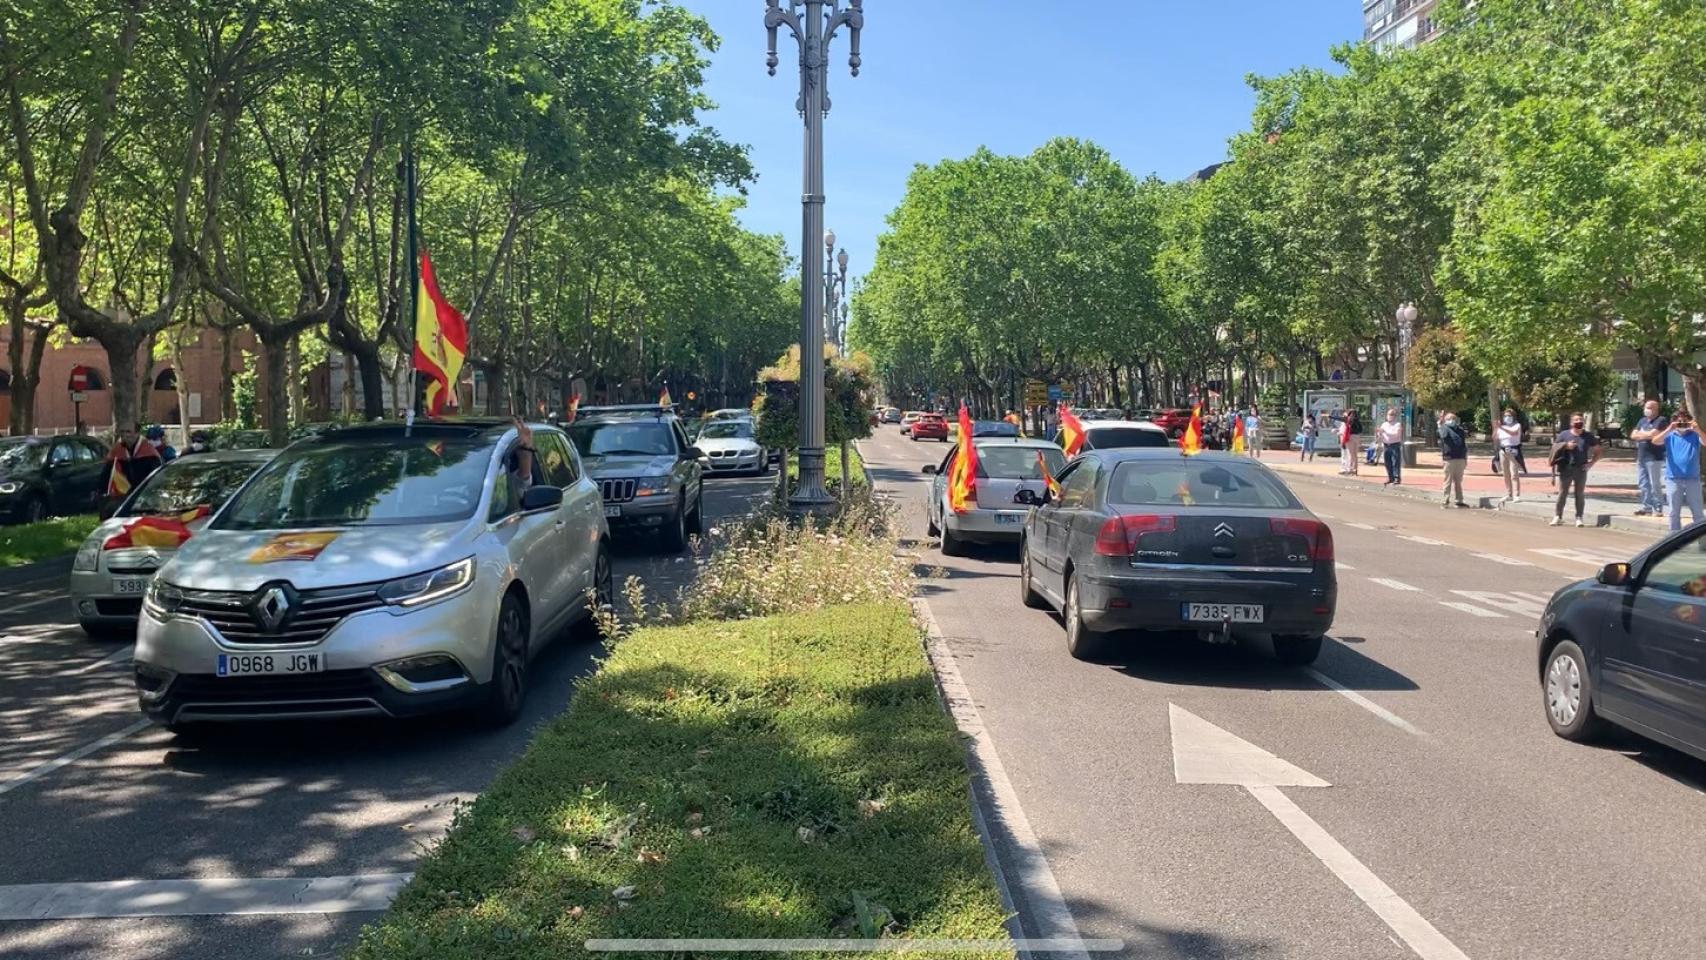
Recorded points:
(1173, 420)
(931, 426)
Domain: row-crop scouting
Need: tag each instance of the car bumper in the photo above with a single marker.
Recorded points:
(12, 507)
(1118, 601)
(735, 464)
(177, 679)
(95, 598)
(641, 513)
(987, 526)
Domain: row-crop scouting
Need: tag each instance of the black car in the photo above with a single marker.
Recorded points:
(1629, 647)
(1150, 540)
(50, 476)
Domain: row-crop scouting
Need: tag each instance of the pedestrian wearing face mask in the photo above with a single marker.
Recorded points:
(1454, 456)
(1508, 436)
(1391, 435)
(1574, 452)
(1679, 442)
(1649, 459)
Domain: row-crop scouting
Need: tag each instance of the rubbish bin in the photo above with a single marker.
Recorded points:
(1410, 448)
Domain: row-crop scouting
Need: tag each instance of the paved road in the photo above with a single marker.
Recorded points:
(1423, 714)
(320, 800)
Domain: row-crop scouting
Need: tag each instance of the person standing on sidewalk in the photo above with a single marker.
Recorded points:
(1253, 433)
(1680, 442)
(1391, 435)
(1508, 435)
(1308, 451)
(1454, 457)
(1650, 460)
(1574, 452)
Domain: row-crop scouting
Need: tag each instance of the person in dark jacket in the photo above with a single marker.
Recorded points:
(1454, 456)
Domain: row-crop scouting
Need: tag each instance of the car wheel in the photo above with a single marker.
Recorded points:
(952, 546)
(1081, 641)
(675, 535)
(35, 511)
(1028, 593)
(696, 526)
(930, 524)
(1297, 651)
(507, 690)
(1568, 693)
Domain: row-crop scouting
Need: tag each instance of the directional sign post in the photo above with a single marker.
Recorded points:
(1204, 753)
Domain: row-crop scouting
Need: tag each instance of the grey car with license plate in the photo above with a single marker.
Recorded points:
(646, 469)
(729, 445)
(378, 570)
(1009, 480)
(1150, 540)
(113, 566)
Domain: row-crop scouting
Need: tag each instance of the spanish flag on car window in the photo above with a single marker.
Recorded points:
(962, 473)
(1049, 482)
(1071, 432)
(1191, 442)
(441, 341)
(118, 481)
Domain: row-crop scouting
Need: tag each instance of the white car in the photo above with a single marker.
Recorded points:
(1010, 482)
(113, 565)
(729, 446)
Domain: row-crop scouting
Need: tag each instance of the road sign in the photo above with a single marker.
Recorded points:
(78, 396)
(1054, 393)
(79, 379)
(1036, 393)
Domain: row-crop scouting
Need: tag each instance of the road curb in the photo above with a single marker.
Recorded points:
(37, 571)
(1537, 510)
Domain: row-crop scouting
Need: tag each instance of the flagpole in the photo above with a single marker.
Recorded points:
(414, 271)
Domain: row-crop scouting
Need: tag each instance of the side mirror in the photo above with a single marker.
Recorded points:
(1614, 575)
(930, 469)
(541, 498)
(693, 453)
(1027, 497)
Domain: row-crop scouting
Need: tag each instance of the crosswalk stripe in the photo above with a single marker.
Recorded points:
(1429, 541)
(1395, 584)
(1507, 561)
(1472, 610)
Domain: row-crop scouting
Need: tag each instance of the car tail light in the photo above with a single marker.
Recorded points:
(1318, 534)
(1119, 535)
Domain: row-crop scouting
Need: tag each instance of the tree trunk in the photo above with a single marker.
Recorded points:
(121, 348)
(1694, 389)
(293, 381)
(181, 381)
(275, 354)
(497, 391)
(227, 377)
(845, 487)
(371, 369)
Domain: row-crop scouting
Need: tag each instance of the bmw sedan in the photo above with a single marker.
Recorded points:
(729, 446)
(113, 565)
(1009, 480)
(1150, 540)
(378, 570)
(1625, 648)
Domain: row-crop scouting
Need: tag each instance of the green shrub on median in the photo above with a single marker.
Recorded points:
(790, 776)
(45, 539)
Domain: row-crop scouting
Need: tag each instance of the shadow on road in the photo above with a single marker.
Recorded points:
(1183, 660)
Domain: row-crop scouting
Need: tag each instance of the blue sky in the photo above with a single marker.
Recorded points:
(1159, 83)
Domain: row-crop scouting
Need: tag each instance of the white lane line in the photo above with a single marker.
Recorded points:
(1359, 526)
(1395, 584)
(1521, 604)
(1049, 915)
(1364, 702)
(1593, 558)
(1472, 610)
(1429, 541)
(122, 654)
(1410, 926)
(1345, 566)
(1507, 561)
(48, 766)
(219, 896)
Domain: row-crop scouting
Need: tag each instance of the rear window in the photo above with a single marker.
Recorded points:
(1188, 482)
(1119, 438)
(1017, 463)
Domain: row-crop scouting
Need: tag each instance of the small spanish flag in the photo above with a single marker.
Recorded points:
(962, 473)
(1049, 482)
(574, 408)
(1191, 442)
(118, 482)
(1071, 432)
(664, 399)
(1238, 445)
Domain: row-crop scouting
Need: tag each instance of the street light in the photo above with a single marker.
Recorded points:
(835, 287)
(814, 31)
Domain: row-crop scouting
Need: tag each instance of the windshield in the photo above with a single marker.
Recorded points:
(727, 430)
(189, 483)
(1017, 463)
(650, 438)
(1111, 438)
(365, 482)
(21, 455)
(1197, 483)
(994, 428)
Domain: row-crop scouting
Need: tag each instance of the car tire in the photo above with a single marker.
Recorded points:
(507, 690)
(952, 546)
(675, 535)
(1297, 651)
(1081, 641)
(603, 590)
(930, 526)
(1027, 593)
(1566, 691)
(696, 526)
(35, 511)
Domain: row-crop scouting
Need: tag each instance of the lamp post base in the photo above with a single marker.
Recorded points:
(810, 494)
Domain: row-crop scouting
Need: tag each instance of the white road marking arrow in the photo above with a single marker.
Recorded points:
(1204, 753)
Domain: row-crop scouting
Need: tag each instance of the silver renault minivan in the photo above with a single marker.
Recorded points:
(377, 570)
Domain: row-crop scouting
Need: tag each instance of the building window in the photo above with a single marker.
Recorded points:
(166, 379)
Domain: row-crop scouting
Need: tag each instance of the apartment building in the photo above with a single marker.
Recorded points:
(1398, 23)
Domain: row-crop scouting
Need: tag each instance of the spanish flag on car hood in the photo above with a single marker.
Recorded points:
(160, 532)
(1071, 432)
(962, 473)
(441, 341)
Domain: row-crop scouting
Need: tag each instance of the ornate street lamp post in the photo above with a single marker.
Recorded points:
(835, 287)
(814, 31)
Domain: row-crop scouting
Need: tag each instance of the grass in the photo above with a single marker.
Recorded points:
(790, 776)
(832, 464)
(48, 538)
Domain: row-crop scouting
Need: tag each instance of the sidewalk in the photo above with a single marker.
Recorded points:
(1611, 492)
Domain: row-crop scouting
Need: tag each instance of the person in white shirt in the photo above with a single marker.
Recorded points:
(1391, 434)
(1253, 433)
(1508, 435)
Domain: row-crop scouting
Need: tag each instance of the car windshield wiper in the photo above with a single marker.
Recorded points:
(627, 453)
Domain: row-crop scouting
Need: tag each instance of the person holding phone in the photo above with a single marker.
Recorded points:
(1574, 452)
(1680, 444)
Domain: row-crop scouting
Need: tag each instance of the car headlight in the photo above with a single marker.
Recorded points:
(88, 556)
(412, 591)
(651, 486)
(162, 599)
(11, 486)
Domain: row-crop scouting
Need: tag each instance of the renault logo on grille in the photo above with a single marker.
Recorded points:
(271, 608)
(1225, 530)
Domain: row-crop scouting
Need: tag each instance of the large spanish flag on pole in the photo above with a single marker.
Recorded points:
(962, 473)
(441, 341)
(1191, 442)
(1071, 432)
